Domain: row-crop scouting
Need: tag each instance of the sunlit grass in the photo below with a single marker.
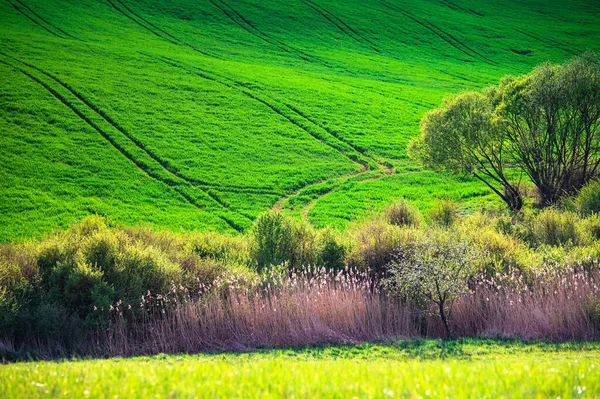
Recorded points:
(419, 368)
(250, 100)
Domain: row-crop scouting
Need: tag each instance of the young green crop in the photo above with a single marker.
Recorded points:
(202, 115)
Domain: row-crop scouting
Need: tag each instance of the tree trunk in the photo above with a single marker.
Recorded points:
(444, 319)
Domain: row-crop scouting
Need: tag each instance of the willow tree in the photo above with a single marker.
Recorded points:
(544, 125)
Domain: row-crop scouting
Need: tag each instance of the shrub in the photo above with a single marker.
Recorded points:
(587, 201)
(278, 238)
(506, 251)
(402, 214)
(333, 253)
(445, 214)
(593, 311)
(139, 269)
(221, 247)
(555, 228)
(374, 244)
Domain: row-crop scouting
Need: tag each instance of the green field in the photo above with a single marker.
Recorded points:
(204, 114)
(419, 368)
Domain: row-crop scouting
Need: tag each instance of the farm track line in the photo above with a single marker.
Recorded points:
(452, 6)
(253, 30)
(331, 17)
(338, 137)
(45, 20)
(282, 201)
(450, 36)
(442, 34)
(321, 10)
(91, 123)
(156, 31)
(146, 21)
(165, 165)
(114, 124)
(547, 41)
(33, 20)
(306, 209)
(116, 145)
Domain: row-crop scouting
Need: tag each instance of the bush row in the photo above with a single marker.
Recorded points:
(62, 287)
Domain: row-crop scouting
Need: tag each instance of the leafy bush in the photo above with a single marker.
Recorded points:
(402, 214)
(222, 247)
(593, 311)
(587, 201)
(445, 214)
(59, 289)
(278, 238)
(332, 253)
(374, 244)
(555, 228)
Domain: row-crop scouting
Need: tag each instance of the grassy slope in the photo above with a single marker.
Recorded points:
(203, 114)
(404, 369)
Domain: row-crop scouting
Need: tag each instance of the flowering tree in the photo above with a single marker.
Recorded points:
(435, 270)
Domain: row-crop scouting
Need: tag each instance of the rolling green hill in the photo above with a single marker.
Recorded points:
(203, 114)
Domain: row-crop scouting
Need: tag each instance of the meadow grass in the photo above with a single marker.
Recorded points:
(399, 368)
(202, 115)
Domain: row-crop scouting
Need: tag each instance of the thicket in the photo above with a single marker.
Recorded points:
(101, 289)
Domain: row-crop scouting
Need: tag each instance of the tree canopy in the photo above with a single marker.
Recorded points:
(543, 126)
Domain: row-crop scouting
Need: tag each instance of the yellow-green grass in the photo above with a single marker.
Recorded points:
(419, 368)
(202, 115)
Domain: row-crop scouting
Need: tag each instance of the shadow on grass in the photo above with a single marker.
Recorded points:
(393, 349)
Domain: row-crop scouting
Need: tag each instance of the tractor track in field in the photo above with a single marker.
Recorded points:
(458, 8)
(547, 41)
(165, 165)
(306, 208)
(45, 20)
(238, 19)
(341, 25)
(361, 39)
(334, 134)
(169, 183)
(442, 34)
(152, 28)
(39, 20)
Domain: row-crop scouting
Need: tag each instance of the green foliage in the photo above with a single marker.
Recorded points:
(587, 201)
(374, 244)
(333, 252)
(62, 287)
(402, 214)
(278, 239)
(554, 228)
(532, 123)
(445, 214)
(465, 136)
(593, 310)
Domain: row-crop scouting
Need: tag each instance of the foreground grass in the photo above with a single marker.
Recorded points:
(418, 368)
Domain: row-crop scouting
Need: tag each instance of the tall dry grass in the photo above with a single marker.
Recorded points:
(317, 307)
(308, 307)
(556, 304)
